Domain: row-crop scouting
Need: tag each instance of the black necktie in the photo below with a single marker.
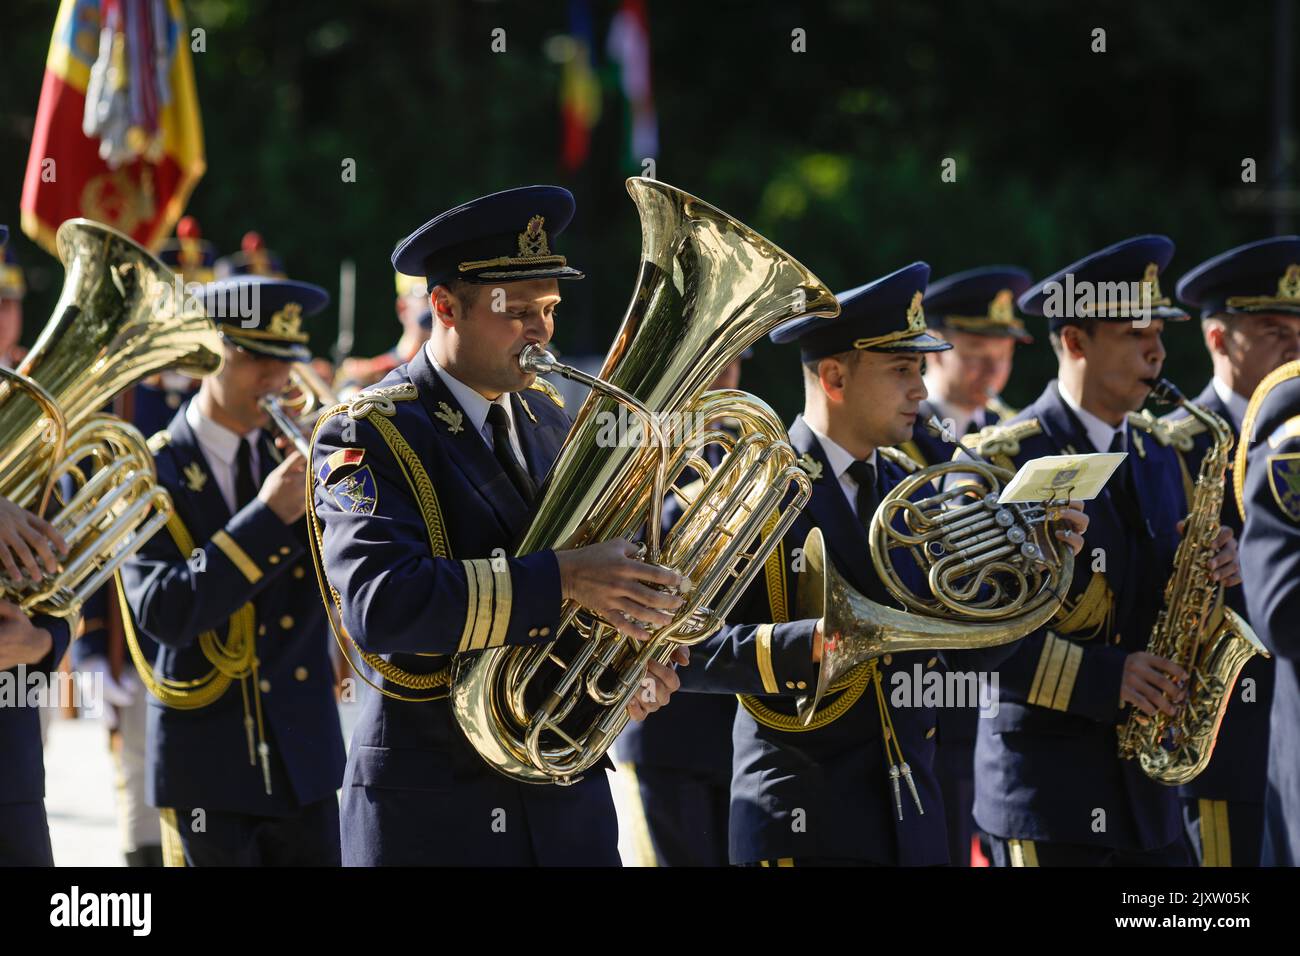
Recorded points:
(245, 486)
(500, 423)
(1125, 499)
(1123, 479)
(864, 473)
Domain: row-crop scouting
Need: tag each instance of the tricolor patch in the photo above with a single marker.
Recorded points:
(345, 457)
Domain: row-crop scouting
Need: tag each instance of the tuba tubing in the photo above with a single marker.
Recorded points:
(708, 287)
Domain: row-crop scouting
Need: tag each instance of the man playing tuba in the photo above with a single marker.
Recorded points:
(420, 486)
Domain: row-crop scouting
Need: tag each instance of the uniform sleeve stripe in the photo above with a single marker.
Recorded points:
(483, 612)
(763, 651)
(1043, 656)
(471, 606)
(1073, 658)
(238, 556)
(1058, 666)
(501, 607)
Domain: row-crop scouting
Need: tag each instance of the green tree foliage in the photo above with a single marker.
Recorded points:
(834, 153)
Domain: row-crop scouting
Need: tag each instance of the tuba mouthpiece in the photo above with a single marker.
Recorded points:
(536, 359)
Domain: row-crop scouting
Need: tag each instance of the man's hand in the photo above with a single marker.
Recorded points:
(657, 686)
(118, 693)
(21, 534)
(1149, 683)
(608, 579)
(282, 491)
(1224, 567)
(20, 641)
(1073, 516)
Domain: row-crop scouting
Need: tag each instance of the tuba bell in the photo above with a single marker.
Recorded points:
(708, 288)
(120, 318)
(992, 572)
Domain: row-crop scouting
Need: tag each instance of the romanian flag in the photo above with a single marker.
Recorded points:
(118, 137)
(579, 88)
(628, 46)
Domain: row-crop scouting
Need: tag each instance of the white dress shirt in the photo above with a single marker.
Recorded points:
(220, 446)
(1099, 433)
(840, 460)
(1236, 404)
(476, 408)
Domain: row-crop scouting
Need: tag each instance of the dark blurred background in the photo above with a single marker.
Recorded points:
(834, 153)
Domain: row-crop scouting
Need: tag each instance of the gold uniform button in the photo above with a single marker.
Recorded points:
(300, 673)
(264, 686)
(286, 622)
(889, 658)
(802, 685)
(929, 733)
(789, 685)
(274, 559)
(261, 629)
(298, 573)
(532, 632)
(285, 549)
(931, 662)
(545, 632)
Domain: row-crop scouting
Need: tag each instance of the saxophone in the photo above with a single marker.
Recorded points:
(1195, 629)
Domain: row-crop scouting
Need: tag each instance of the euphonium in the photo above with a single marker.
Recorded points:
(119, 319)
(993, 572)
(1194, 629)
(295, 410)
(708, 287)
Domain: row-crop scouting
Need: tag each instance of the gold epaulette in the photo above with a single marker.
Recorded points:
(900, 458)
(1001, 443)
(1000, 408)
(1159, 429)
(547, 389)
(380, 400)
(159, 440)
(1181, 430)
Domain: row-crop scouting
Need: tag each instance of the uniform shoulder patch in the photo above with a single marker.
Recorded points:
(381, 400)
(357, 493)
(900, 458)
(1284, 482)
(159, 440)
(547, 389)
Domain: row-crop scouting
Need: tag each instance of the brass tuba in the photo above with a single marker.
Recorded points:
(708, 288)
(120, 317)
(992, 571)
(1194, 629)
